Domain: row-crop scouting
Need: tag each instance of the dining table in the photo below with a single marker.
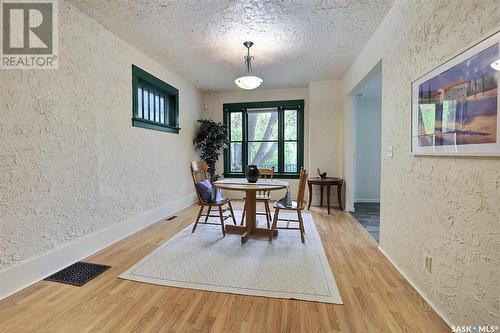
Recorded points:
(251, 190)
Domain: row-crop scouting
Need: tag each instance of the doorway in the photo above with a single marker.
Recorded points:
(367, 123)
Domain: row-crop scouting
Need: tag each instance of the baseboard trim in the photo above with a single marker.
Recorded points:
(419, 291)
(14, 279)
(367, 201)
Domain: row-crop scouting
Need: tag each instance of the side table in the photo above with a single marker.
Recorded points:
(328, 182)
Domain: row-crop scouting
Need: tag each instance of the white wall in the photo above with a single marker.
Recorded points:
(71, 164)
(368, 139)
(326, 133)
(444, 208)
(322, 124)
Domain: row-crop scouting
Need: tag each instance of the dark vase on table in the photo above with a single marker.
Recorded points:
(252, 173)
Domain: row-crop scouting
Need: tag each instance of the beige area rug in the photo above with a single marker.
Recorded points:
(283, 268)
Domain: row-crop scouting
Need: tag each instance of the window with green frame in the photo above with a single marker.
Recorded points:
(155, 104)
(267, 134)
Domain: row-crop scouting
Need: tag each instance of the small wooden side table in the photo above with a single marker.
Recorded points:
(328, 182)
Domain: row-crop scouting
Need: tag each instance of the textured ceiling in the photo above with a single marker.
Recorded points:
(295, 41)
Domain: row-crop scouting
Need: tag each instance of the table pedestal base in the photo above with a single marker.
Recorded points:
(241, 230)
(251, 210)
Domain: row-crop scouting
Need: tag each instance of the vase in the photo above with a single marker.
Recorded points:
(252, 173)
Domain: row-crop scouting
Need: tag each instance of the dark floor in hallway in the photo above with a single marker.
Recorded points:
(368, 215)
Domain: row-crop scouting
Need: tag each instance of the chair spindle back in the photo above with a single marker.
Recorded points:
(199, 173)
(265, 174)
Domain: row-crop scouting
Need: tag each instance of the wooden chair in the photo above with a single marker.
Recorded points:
(199, 171)
(262, 196)
(297, 206)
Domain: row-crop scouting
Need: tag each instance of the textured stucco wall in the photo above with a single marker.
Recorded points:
(325, 132)
(71, 163)
(443, 207)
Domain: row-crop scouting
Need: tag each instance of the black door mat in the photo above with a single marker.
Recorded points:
(78, 274)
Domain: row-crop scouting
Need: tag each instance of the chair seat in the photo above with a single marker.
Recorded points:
(217, 203)
(260, 197)
(294, 206)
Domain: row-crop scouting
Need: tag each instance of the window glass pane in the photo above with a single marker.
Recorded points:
(157, 108)
(262, 124)
(139, 102)
(167, 110)
(146, 103)
(291, 157)
(290, 124)
(263, 154)
(151, 106)
(236, 126)
(162, 109)
(235, 158)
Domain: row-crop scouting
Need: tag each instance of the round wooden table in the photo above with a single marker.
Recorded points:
(250, 190)
(328, 181)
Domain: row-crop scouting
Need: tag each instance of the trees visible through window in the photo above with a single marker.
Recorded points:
(263, 137)
(267, 134)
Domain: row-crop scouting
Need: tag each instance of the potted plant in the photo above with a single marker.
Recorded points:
(211, 138)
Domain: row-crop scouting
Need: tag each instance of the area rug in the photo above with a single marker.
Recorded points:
(204, 260)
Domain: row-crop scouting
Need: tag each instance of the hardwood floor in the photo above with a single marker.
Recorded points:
(376, 297)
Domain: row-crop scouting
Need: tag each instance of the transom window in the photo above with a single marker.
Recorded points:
(267, 134)
(155, 103)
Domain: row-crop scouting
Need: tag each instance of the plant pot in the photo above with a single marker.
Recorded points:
(252, 173)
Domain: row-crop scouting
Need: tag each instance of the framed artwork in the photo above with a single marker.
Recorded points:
(455, 107)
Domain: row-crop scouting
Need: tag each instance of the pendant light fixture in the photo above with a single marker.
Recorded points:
(248, 81)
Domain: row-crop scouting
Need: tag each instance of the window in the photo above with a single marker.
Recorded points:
(155, 103)
(267, 134)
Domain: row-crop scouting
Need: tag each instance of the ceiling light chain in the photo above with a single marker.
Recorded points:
(248, 58)
(248, 81)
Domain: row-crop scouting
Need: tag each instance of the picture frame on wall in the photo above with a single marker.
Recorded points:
(455, 107)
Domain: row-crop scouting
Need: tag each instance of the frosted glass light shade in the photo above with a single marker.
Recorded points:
(248, 82)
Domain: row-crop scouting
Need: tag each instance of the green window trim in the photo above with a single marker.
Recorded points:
(281, 106)
(165, 103)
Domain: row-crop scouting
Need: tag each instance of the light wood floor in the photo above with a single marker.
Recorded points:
(376, 297)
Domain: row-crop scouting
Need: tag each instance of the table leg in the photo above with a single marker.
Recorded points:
(321, 196)
(251, 219)
(310, 195)
(328, 197)
(339, 195)
(250, 215)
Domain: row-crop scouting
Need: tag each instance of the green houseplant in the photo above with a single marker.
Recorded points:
(211, 138)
